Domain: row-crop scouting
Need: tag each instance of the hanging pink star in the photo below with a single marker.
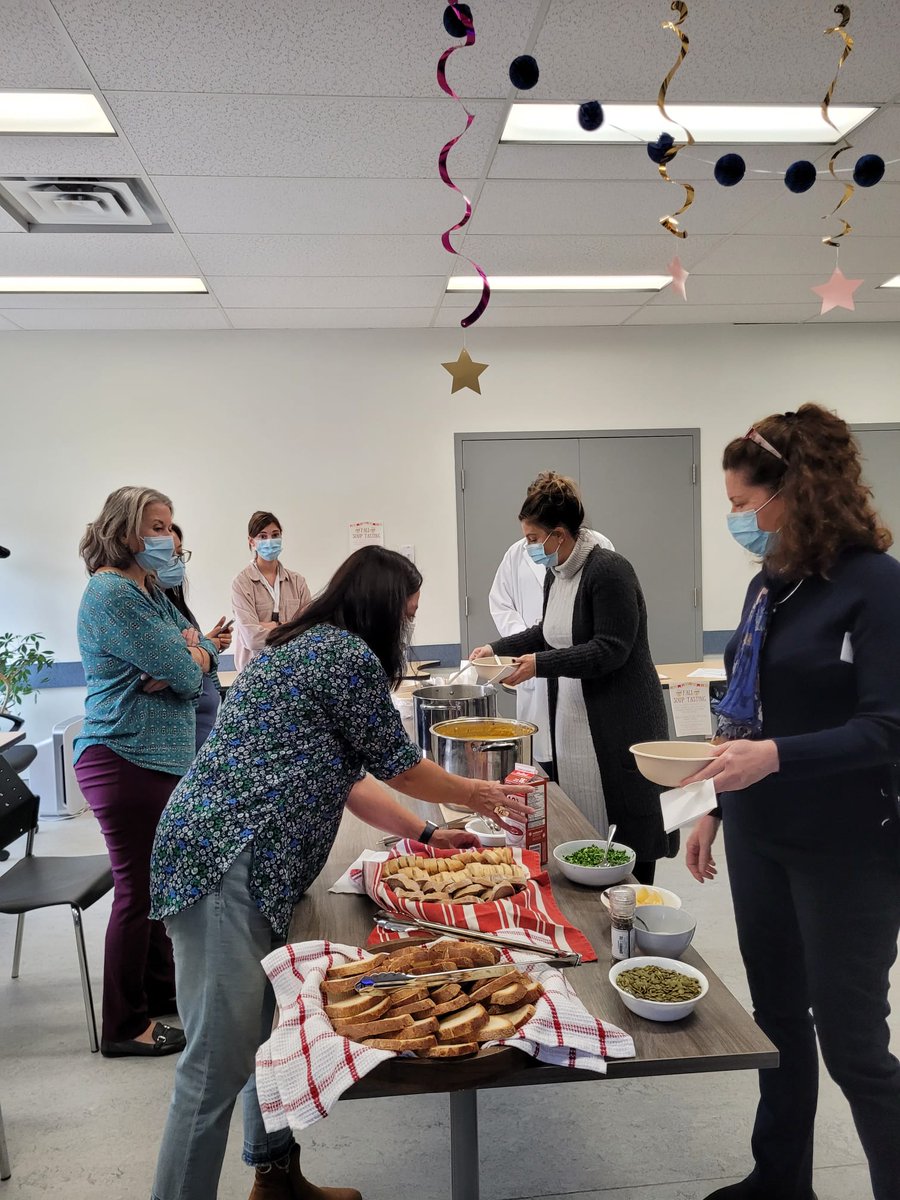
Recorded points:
(679, 276)
(837, 292)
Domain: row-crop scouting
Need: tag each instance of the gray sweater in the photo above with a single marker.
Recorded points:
(610, 654)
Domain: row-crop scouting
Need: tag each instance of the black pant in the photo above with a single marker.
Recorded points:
(818, 914)
(645, 872)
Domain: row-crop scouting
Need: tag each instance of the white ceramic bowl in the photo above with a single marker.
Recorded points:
(592, 876)
(658, 1010)
(488, 669)
(669, 899)
(486, 836)
(669, 931)
(668, 763)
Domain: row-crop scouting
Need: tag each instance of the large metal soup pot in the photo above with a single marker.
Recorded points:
(445, 702)
(481, 748)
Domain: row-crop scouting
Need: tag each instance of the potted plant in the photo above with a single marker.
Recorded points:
(22, 666)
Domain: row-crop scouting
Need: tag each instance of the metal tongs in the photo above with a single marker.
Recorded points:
(386, 981)
(398, 924)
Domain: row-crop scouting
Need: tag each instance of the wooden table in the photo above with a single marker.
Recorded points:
(11, 739)
(681, 672)
(719, 1036)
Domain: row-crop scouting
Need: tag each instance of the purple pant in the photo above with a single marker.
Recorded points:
(138, 971)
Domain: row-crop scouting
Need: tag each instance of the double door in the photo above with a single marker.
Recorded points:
(640, 489)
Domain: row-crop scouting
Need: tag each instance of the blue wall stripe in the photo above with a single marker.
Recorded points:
(447, 654)
(715, 640)
(71, 674)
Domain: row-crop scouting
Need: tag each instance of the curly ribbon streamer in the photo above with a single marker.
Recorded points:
(849, 189)
(843, 11)
(443, 84)
(670, 222)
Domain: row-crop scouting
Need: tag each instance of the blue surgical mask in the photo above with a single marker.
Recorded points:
(745, 530)
(172, 574)
(157, 552)
(269, 549)
(537, 554)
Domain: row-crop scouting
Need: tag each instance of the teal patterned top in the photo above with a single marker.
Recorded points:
(300, 726)
(124, 632)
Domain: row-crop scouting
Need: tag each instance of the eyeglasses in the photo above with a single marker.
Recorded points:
(753, 436)
(184, 556)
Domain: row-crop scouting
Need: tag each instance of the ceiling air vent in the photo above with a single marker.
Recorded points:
(48, 205)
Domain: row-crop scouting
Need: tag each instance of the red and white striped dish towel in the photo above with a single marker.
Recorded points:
(305, 1067)
(534, 909)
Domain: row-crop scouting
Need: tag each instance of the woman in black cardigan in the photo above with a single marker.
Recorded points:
(592, 648)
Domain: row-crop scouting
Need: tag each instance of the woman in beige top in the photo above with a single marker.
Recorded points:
(266, 593)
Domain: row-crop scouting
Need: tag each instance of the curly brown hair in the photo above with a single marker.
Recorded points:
(827, 507)
(553, 500)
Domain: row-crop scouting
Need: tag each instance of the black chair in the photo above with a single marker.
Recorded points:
(36, 883)
(20, 757)
(5, 1171)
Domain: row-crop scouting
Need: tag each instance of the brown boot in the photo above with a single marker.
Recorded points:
(284, 1181)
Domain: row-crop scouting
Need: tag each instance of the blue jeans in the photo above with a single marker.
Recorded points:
(226, 1004)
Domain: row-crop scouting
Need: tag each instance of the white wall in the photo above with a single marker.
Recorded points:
(327, 427)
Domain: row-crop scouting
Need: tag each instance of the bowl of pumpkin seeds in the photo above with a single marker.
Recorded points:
(660, 989)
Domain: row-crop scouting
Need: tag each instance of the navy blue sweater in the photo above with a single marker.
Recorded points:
(830, 691)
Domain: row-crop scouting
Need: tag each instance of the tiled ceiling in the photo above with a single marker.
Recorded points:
(293, 145)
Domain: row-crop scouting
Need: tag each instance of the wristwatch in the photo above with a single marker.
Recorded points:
(428, 832)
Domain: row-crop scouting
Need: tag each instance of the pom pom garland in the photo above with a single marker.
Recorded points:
(729, 170)
(869, 170)
(590, 115)
(453, 24)
(658, 150)
(524, 72)
(800, 176)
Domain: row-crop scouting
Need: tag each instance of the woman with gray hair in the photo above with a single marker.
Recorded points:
(143, 665)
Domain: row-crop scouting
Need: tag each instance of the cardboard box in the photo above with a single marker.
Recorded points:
(536, 833)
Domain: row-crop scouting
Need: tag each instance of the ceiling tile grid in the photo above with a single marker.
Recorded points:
(293, 146)
(293, 47)
(304, 136)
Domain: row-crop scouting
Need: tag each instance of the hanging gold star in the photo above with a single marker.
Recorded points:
(465, 372)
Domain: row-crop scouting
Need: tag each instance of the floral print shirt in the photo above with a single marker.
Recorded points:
(300, 726)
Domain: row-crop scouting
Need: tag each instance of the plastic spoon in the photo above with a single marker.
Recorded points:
(462, 670)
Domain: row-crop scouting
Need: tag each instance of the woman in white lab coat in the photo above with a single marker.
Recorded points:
(517, 602)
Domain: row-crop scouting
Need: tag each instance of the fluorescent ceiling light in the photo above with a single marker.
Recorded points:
(121, 284)
(894, 283)
(561, 283)
(728, 124)
(61, 113)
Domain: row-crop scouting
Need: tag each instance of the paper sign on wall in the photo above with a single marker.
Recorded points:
(690, 709)
(366, 533)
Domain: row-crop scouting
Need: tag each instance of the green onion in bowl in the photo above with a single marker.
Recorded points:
(597, 856)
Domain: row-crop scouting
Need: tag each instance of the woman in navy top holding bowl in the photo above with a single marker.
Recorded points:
(811, 722)
(251, 826)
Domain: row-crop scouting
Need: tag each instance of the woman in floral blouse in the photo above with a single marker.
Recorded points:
(250, 827)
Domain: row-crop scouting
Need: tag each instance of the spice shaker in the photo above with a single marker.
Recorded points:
(621, 914)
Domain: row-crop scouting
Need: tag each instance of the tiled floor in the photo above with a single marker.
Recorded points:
(83, 1127)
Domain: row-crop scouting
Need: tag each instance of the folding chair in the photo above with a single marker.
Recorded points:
(33, 882)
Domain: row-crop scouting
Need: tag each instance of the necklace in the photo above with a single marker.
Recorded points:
(784, 599)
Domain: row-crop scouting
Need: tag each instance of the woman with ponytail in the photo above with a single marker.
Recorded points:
(810, 728)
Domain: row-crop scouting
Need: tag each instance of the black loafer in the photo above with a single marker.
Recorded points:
(167, 1039)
